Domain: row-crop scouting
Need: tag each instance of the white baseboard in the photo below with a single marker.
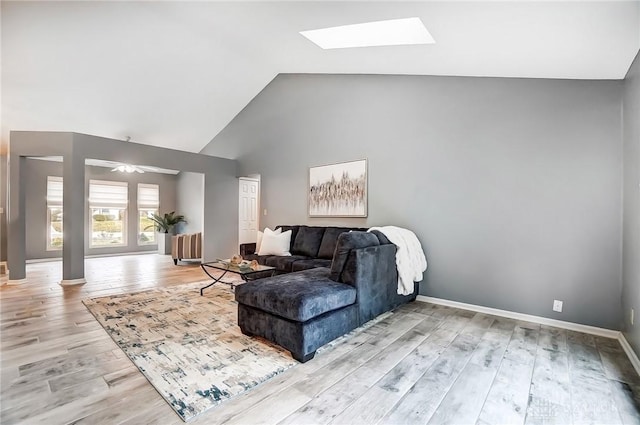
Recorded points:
(630, 353)
(72, 282)
(16, 282)
(593, 330)
(121, 254)
(42, 260)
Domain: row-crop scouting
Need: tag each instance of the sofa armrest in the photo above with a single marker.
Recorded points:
(247, 249)
(347, 242)
(372, 271)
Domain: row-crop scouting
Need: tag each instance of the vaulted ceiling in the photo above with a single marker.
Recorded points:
(173, 74)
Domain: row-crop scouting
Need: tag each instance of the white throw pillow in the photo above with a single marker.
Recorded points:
(275, 232)
(275, 244)
(261, 234)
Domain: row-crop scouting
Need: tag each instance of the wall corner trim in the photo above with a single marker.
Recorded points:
(593, 330)
(72, 282)
(633, 357)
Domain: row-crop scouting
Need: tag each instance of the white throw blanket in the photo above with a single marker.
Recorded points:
(410, 259)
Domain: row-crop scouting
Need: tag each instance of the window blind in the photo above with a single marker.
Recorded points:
(54, 191)
(108, 194)
(148, 196)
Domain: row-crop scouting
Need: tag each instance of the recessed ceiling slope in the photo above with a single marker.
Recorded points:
(174, 74)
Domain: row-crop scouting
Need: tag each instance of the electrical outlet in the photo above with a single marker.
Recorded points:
(557, 306)
(264, 212)
(631, 317)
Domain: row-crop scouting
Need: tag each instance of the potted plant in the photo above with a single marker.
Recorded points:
(165, 225)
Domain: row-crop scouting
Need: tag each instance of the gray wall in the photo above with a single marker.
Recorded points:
(190, 201)
(631, 236)
(36, 206)
(513, 186)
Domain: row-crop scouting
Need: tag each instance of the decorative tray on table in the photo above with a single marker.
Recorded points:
(242, 265)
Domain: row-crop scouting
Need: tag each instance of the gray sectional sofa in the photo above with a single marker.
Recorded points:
(303, 310)
(310, 247)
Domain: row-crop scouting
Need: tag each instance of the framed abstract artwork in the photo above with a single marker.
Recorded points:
(338, 190)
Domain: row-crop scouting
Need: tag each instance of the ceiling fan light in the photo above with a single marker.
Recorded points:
(127, 168)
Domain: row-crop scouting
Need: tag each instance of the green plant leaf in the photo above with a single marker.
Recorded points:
(165, 223)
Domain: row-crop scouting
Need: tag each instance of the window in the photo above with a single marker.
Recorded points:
(148, 204)
(54, 213)
(108, 202)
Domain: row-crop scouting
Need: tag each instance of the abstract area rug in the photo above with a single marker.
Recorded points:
(189, 347)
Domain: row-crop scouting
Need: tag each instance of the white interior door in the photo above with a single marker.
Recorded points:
(249, 198)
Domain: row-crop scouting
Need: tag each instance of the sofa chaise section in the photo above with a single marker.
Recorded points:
(298, 311)
(303, 310)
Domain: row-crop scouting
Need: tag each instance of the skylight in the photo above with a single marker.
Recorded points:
(393, 32)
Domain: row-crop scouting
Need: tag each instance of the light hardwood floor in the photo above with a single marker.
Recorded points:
(423, 364)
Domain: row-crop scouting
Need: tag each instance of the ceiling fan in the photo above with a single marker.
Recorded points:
(128, 168)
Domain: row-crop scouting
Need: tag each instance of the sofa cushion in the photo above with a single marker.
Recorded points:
(381, 237)
(308, 241)
(260, 236)
(294, 233)
(283, 264)
(329, 241)
(275, 243)
(297, 296)
(347, 242)
(261, 259)
(310, 264)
